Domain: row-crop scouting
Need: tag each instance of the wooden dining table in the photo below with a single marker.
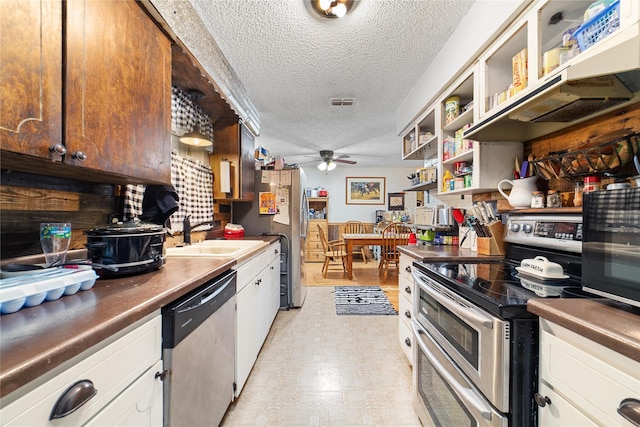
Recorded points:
(359, 239)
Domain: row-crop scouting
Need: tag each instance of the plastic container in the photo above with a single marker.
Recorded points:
(599, 26)
(32, 290)
(591, 183)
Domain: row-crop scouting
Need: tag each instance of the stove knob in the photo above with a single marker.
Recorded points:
(527, 228)
(514, 226)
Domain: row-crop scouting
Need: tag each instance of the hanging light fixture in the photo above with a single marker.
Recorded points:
(331, 8)
(327, 166)
(196, 137)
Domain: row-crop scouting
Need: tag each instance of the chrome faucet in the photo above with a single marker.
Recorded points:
(188, 228)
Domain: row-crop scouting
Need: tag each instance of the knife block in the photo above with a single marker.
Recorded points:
(492, 245)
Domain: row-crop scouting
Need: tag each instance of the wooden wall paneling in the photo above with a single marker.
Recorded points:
(27, 200)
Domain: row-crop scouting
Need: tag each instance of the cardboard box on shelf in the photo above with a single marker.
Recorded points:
(520, 71)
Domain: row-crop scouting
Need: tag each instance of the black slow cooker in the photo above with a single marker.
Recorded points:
(131, 246)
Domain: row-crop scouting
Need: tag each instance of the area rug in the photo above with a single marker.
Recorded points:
(362, 300)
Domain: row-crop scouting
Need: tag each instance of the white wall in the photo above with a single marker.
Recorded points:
(484, 22)
(335, 183)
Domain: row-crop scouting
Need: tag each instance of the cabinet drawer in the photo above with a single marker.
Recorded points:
(405, 287)
(405, 310)
(406, 341)
(591, 377)
(405, 267)
(248, 270)
(111, 368)
(314, 256)
(314, 245)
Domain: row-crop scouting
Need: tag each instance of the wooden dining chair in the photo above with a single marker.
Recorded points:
(357, 227)
(335, 254)
(394, 235)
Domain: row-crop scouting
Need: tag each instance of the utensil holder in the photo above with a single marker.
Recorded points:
(492, 245)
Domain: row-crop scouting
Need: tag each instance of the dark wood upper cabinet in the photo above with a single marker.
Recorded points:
(30, 77)
(235, 143)
(115, 107)
(118, 90)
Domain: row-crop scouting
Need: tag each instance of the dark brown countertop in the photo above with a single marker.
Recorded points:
(35, 340)
(444, 253)
(609, 323)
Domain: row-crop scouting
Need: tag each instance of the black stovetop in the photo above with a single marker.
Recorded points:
(496, 286)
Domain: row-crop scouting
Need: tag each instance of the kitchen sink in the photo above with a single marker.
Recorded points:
(215, 248)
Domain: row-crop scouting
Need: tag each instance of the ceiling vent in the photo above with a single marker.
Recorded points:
(342, 102)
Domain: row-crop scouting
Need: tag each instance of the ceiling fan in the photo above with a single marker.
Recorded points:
(329, 160)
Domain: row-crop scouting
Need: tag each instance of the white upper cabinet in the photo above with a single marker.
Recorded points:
(560, 87)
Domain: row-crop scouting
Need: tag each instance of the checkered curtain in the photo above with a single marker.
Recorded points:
(193, 182)
(185, 115)
(133, 195)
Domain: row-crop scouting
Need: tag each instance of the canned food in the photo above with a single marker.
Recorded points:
(451, 109)
(468, 180)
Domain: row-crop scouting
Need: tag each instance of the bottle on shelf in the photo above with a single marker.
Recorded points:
(446, 178)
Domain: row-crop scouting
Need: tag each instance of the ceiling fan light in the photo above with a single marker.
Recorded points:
(331, 166)
(325, 4)
(322, 166)
(339, 10)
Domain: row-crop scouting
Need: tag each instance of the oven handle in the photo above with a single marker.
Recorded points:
(468, 314)
(464, 393)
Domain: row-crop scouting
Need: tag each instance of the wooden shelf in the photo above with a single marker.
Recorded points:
(423, 186)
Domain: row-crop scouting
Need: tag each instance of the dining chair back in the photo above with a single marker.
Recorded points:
(394, 235)
(357, 227)
(335, 255)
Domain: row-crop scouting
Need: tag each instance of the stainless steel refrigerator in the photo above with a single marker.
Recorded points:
(291, 222)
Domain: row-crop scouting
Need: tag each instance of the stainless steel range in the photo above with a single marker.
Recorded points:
(476, 360)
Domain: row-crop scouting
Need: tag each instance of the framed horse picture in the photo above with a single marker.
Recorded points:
(365, 190)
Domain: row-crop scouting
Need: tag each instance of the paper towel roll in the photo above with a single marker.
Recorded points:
(225, 177)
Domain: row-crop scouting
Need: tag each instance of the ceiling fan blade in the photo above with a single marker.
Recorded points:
(349, 162)
(341, 156)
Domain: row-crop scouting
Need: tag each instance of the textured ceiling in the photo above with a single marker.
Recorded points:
(292, 62)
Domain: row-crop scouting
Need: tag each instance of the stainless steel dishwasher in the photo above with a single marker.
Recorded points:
(198, 340)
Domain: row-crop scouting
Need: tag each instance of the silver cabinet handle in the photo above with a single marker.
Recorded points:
(407, 290)
(58, 149)
(407, 342)
(79, 155)
(73, 398)
(407, 314)
(162, 375)
(630, 410)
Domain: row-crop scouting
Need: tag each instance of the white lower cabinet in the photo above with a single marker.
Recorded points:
(122, 373)
(583, 383)
(405, 305)
(257, 303)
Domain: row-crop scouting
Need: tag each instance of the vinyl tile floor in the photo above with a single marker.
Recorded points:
(320, 369)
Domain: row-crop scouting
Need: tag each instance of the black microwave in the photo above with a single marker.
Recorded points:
(611, 244)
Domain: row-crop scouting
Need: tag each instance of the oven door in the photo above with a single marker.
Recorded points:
(443, 395)
(477, 342)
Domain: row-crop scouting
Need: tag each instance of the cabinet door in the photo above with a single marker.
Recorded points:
(139, 405)
(118, 91)
(30, 83)
(247, 164)
(559, 412)
(247, 334)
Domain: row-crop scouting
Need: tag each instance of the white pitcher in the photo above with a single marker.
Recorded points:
(521, 189)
